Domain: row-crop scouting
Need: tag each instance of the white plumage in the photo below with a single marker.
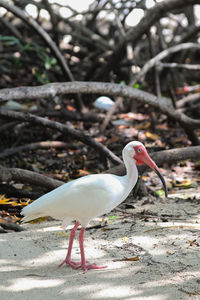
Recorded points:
(89, 197)
(81, 199)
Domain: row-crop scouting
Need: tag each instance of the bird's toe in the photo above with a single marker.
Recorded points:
(70, 263)
(87, 267)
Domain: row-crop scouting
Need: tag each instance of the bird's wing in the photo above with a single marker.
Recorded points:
(87, 196)
(93, 195)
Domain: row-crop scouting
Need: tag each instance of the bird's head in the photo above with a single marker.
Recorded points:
(138, 152)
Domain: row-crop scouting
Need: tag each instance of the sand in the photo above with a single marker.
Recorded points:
(167, 245)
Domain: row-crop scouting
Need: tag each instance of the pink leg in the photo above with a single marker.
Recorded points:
(84, 265)
(68, 260)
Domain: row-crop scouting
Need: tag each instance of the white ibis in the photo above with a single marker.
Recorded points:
(91, 196)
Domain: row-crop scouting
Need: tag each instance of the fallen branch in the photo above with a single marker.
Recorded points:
(12, 226)
(11, 191)
(32, 146)
(110, 89)
(26, 176)
(170, 156)
(8, 126)
(86, 139)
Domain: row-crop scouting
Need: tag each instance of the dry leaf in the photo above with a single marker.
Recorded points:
(152, 136)
(143, 125)
(169, 252)
(81, 173)
(186, 183)
(3, 200)
(63, 233)
(134, 258)
(70, 108)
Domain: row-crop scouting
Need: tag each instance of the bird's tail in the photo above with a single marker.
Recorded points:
(30, 214)
(30, 218)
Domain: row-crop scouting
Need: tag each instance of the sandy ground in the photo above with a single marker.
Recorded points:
(167, 242)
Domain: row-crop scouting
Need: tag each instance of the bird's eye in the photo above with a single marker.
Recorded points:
(139, 150)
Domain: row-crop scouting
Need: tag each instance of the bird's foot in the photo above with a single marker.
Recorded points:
(71, 263)
(76, 265)
(87, 267)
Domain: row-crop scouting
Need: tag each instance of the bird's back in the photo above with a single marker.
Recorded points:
(81, 199)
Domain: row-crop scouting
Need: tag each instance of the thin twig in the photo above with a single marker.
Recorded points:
(178, 66)
(110, 113)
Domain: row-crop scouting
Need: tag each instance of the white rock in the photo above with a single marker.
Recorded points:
(104, 102)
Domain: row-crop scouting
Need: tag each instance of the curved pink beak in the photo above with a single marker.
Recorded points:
(149, 162)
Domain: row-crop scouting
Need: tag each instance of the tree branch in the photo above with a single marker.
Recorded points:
(110, 89)
(135, 34)
(152, 62)
(174, 65)
(86, 139)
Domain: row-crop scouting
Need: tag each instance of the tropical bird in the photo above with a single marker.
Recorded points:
(91, 196)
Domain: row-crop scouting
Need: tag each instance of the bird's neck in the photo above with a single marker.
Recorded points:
(131, 172)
